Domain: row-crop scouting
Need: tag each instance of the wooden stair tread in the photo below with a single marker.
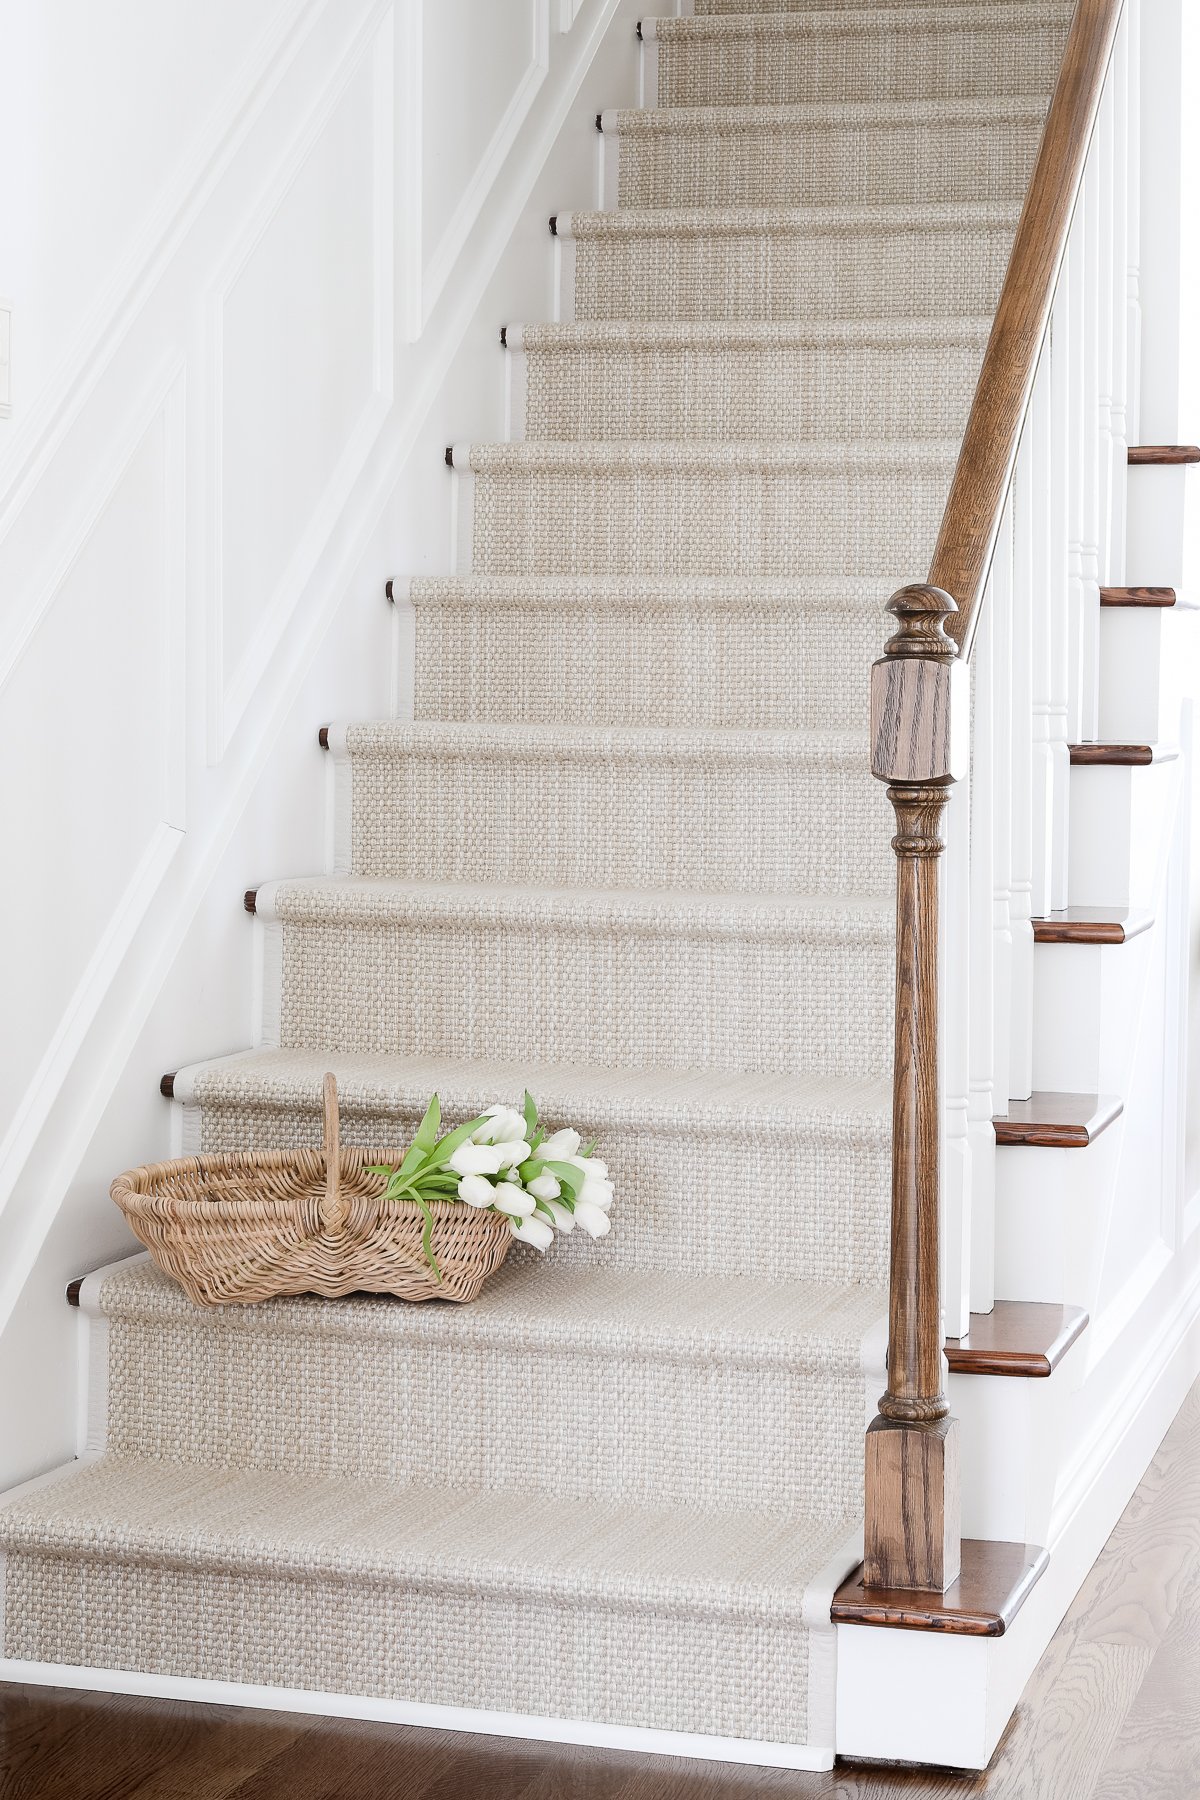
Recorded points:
(1026, 1338)
(1057, 1121)
(996, 1580)
(1141, 455)
(1091, 925)
(1137, 596)
(1121, 756)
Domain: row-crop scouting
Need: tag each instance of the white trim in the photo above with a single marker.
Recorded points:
(747, 1751)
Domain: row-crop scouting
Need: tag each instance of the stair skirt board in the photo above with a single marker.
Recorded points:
(652, 663)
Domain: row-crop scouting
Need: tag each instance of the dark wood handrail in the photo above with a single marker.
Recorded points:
(971, 522)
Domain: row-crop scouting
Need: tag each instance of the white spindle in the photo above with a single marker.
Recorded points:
(1020, 777)
(982, 971)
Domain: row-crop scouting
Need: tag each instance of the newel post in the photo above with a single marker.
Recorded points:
(912, 1487)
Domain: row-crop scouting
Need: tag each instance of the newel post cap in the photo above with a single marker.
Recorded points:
(919, 706)
(920, 611)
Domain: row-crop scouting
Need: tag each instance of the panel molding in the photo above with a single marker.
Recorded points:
(428, 276)
(166, 403)
(112, 315)
(227, 700)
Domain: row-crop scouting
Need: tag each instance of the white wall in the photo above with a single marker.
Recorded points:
(258, 255)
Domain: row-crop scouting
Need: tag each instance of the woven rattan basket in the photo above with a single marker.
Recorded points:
(264, 1223)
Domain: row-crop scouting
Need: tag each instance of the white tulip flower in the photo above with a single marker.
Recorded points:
(476, 1190)
(544, 1186)
(561, 1147)
(513, 1154)
(592, 1219)
(562, 1215)
(502, 1125)
(532, 1231)
(475, 1159)
(597, 1193)
(513, 1200)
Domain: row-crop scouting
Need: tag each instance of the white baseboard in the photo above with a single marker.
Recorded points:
(404, 1712)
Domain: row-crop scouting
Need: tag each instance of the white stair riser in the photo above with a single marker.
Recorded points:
(818, 391)
(614, 999)
(761, 275)
(1120, 831)
(600, 1418)
(682, 522)
(1084, 998)
(654, 666)
(677, 1192)
(1131, 649)
(838, 165)
(1052, 1208)
(618, 822)
(764, 68)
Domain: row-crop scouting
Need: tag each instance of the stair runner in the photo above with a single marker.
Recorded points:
(622, 1486)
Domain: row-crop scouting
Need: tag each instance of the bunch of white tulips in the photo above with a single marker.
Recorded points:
(505, 1162)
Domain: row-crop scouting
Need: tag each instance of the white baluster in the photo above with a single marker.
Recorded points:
(1133, 248)
(982, 969)
(961, 1153)
(1116, 286)
(1089, 618)
(1102, 160)
(1024, 590)
(1000, 669)
(1063, 586)
(1073, 453)
(1047, 592)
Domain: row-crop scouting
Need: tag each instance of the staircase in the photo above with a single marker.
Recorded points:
(627, 852)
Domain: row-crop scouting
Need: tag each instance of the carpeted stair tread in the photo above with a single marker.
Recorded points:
(872, 218)
(707, 508)
(440, 1539)
(749, 334)
(834, 154)
(620, 805)
(678, 1143)
(648, 977)
(355, 899)
(838, 380)
(777, 262)
(540, 1308)
(387, 1088)
(980, 111)
(664, 651)
(891, 52)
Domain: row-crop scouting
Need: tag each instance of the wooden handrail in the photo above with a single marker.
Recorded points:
(913, 1535)
(971, 522)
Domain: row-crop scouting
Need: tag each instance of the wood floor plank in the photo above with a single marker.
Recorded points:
(115, 1747)
(1156, 1757)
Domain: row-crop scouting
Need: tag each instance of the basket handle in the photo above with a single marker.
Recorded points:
(334, 1207)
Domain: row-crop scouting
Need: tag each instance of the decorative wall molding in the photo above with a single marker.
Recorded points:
(429, 276)
(165, 405)
(372, 47)
(117, 304)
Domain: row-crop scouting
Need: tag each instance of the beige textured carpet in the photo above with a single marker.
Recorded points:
(627, 852)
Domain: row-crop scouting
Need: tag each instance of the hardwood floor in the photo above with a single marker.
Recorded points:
(1112, 1713)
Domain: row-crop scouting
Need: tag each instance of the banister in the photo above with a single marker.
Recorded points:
(971, 522)
(912, 1527)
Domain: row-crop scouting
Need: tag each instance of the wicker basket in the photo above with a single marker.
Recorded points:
(264, 1223)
